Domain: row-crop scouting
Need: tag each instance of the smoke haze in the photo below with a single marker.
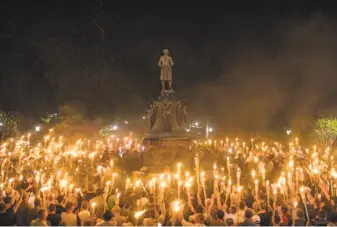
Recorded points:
(291, 73)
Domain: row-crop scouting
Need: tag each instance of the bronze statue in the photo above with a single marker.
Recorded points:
(165, 63)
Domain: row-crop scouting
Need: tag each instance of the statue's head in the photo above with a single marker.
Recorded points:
(165, 51)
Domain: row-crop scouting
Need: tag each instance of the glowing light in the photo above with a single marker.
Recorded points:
(139, 213)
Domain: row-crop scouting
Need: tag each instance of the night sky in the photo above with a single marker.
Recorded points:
(254, 65)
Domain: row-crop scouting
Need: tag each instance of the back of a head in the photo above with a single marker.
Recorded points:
(256, 219)
(148, 222)
(199, 219)
(37, 203)
(220, 214)
(51, 208)
(284, 209)
(233, 209)
(107, 216)
(248, 213)
(322, 214)
(60, 198)
(277, 219)
(85, 205)
(229, 222)
(69, 206)
(242, 205)
(42, 214)
(300, 213)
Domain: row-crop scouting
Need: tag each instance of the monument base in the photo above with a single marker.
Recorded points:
(166, 151)
(166, 142)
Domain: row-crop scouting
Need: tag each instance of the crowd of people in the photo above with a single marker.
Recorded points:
(241, 193)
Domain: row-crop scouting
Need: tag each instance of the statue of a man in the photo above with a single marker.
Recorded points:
(166, 63)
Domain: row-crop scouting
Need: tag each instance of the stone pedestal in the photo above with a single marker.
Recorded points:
(167, 117)
(166, 141)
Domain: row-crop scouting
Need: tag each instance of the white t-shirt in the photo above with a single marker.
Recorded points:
(84, 216)
(69, 219)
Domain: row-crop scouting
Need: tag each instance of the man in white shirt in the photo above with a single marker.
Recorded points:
(84, 214)
(68, 217)
(42, 220)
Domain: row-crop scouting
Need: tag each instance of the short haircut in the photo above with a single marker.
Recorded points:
(248, 213)
(277, 219)
(41, 213)
(300, 213)
(220, 214)
(107, 216)
(232, 209)
(52, 208)
(148, 222)
(37, 202)
(242, 205)
(69, 205)
(284, 209)
(60, 198)
(85, 205)
(229, 222)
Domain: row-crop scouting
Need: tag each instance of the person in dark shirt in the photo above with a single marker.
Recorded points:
(53, 218)
(276, 220)
(284, 216)
(33, 213)
(265, 217)
(6, 219)
(249, 199)
(313, 210)
(248, 218)
(90, 194)
(22, 212)
(322, 219)
(7, 199)
(59, 206)
(300, 219)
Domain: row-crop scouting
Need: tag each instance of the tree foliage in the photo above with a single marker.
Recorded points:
(9, 124)
(325, 130)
